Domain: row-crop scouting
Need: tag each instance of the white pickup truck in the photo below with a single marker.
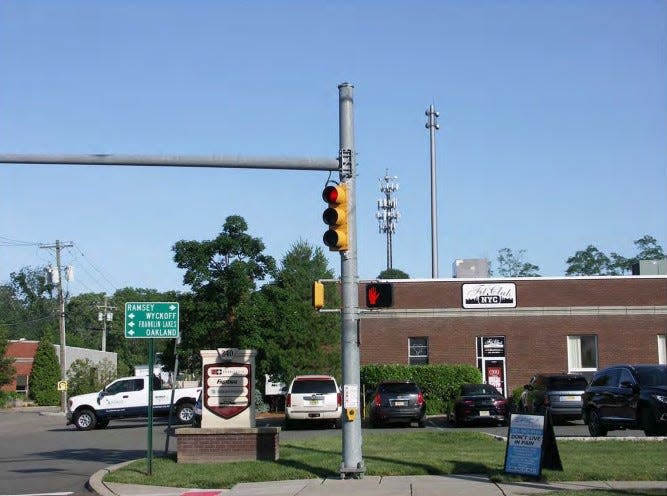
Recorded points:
(127, 397)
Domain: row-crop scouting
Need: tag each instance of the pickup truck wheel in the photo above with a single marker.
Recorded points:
(185, 413)
(85, 419)
(594, 424)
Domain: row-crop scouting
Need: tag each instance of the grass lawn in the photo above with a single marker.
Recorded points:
(410, 453)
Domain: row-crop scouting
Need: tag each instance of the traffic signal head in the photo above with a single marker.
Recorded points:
(318, 295)
(335, 216)
(379, 295)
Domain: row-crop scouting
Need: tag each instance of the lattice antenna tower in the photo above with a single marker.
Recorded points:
(388, 214)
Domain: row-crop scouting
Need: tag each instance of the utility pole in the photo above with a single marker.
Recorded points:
(61, 307)
(105, 315)
(387, 214)
(432, 126)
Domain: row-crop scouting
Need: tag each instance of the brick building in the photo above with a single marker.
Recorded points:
(23, 352)
(514, 328)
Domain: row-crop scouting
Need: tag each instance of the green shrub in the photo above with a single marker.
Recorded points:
(440, 383)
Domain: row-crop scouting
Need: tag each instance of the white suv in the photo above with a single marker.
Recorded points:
(313, 398)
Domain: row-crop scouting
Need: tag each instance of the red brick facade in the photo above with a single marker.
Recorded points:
(227, 445)
(625, 314)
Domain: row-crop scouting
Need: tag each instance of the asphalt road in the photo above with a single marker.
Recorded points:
(41, 455)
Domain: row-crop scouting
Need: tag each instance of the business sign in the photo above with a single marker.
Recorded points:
(493, 295)
(531, 445)
(151, 319)
(524, 445)
(227, 388)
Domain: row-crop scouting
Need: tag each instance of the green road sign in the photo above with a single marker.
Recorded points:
(149, 319)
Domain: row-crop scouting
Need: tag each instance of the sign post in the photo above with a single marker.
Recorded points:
(150, 320)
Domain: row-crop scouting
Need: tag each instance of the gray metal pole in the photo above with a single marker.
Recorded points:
(432, 125)
(63, 344)
(352, 465)
(228, 162)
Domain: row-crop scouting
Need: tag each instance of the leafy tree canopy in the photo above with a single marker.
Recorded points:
(280, 322)
(592, 261)
(393, 274)
(7, 370)
(512, 264)
(45, 373)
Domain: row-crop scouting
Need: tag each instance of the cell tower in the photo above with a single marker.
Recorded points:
(387, 213)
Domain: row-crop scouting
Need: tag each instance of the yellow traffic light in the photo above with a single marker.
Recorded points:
(336, 238)
(318, 295)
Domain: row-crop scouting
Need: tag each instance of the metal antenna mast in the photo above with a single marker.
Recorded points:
(387, 213)
(432, 126)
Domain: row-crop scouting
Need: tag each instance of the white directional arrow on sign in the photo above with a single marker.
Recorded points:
(131, 316)
(130, 324)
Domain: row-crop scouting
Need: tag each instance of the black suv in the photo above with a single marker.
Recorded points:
(627, 396)
(401, 402)
(560, 392)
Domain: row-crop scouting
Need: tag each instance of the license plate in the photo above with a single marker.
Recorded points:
(314, 402)
(399, 403)
(484, 413)
(569, 398)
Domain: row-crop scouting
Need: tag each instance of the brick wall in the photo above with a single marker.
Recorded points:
(227, 445)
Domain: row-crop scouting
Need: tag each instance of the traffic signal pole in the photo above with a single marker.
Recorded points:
(352, 465)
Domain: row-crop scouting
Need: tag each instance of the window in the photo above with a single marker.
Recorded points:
(21, 383)
(662, 349)
(418, 351)
(582, 353)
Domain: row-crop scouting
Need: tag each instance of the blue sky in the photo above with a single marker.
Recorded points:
(553, 126)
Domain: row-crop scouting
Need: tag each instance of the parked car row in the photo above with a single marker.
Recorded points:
(618, 397)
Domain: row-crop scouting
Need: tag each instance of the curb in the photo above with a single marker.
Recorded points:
(96, 482)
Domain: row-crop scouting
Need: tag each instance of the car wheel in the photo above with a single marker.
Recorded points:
(595, 425)
(648, 423)
(102, 423)
(421, 423)
(185, 413)
(338, 424)
(85, 419)
(289, 424)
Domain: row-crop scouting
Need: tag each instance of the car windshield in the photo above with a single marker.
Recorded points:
(565, 383)
(398, 388)
(477, 389)
(318, 386)
(652, 376)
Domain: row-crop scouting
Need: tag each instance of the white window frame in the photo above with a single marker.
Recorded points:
(662, 349)
(574, 354)
(420, 346)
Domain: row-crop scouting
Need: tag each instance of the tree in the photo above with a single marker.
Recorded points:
(280, 322)
(7, 370)
(589, 262)
(512, 264)
(593, 262)
(223, 273)
(393, 274)
(45, 373)
(84, 376)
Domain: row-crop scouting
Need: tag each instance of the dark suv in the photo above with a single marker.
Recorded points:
(560, 392)
(400, 402)
(627, 396)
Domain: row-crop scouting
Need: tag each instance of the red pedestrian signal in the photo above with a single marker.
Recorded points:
(335, 216)
(379, 295)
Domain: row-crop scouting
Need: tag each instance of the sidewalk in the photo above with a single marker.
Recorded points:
(426, 485)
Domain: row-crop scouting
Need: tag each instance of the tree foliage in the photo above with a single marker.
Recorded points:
(84, 376)
(45, 373)
(393, 274)
(222, 272)
(512, 264)
(592, 261)
(280, 322)
(7, 370)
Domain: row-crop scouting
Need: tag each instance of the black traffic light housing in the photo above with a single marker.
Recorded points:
(379, 295)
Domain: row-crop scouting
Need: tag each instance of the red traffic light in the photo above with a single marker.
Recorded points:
(379, 295)
(334, 194)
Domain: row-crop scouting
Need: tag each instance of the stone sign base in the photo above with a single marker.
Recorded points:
(206, 445)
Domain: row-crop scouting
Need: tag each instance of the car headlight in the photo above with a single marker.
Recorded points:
(660, 397)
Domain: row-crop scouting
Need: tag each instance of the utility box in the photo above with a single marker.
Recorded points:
(470, 268)
(650, 268)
